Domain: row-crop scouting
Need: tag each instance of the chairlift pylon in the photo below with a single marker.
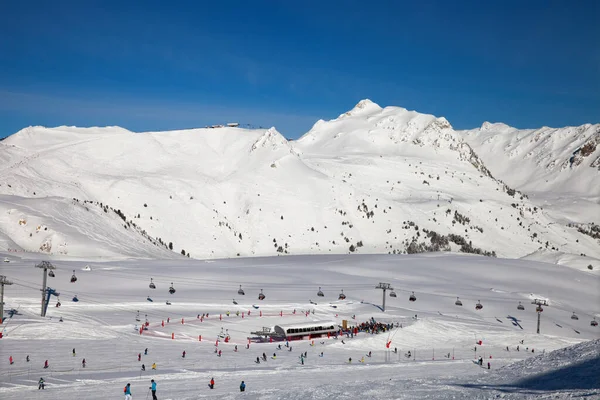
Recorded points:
(342, 296)
(574, 316)
(73, 277)
(320, 292)
(171, 288)
(261, 296)
(478, 306)
(520, 307)
(152, 285)
(241, 291)
(412, 297)
(458, 302)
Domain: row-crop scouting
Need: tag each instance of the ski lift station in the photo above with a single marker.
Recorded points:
(309, 330)
(306, 330)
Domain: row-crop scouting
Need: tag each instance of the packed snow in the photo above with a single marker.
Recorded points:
(442, 338)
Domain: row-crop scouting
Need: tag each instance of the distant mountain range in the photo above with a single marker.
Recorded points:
(373, 180)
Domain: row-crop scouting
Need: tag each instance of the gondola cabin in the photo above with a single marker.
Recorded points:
(73, 277)
(152, 285)
(479, 306)
(241, 291)
(171, 289)
(342, 296)
(392, 294)
(320, 292)
(520, 307)
(412, 297)
(458, 302)
(308, 330)
(261, 296)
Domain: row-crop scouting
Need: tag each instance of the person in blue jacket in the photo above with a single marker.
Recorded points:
(242, 387)
(127, 391)
(153, 388)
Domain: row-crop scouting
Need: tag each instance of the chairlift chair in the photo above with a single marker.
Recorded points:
(392, 294)
(152, 285)
(235, 302)
(320, 293)
(479, 306)
(149, 299)
(168, 303)
(261, 296)
(51, 274)
(342, 296)
(412, 297)
(539, 309)
(75, 299)
(594, 322)
(458, 302)
(171, 289)
(520, 307)
(73, 277)
(574, 316)
(241, 291)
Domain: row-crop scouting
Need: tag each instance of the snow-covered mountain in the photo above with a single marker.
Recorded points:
(373, 180)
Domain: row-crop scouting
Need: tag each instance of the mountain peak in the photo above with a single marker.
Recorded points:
(364, 106)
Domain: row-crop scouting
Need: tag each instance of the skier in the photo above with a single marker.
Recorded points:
(274, 356)
(60, 320)
(153, 388)
(242, 387)
(41, 384)
(279, 347)
(321, 354)
(127, 391)
(290, 348)
(10, 360)
(369, 354)
(532, 351)
(408, 354)
(518, 348)
(153, 365)
(305, 354)
(146, 351)
(27, 358)
(183, 354)
(235, 349)
(395, 350)
(73, 352)
(143, 367)
(83, 363)
(489, 365)
(46, 364)
(258, 360)
(302, 359)
(212, 383)
(139, 356)
(350, 360)
(264, 357)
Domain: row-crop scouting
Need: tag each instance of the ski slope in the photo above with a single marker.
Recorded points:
(442, 338)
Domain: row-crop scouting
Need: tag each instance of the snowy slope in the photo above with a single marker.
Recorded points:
(374, 180)
(102, 329)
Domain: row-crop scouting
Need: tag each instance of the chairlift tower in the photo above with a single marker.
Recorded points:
(3, 281)
(384, 287)
(45, 265)
(539, 303)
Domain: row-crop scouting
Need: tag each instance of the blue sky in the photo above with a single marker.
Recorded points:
(169, 65)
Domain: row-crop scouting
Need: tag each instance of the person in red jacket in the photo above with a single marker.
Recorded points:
(212, 383)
